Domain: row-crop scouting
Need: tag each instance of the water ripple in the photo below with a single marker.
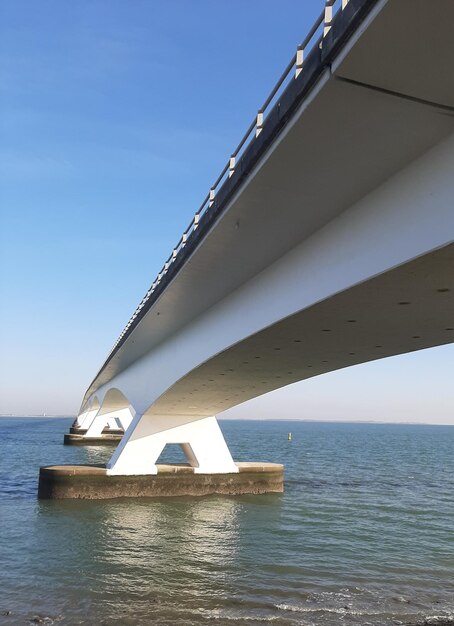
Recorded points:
(362, 535)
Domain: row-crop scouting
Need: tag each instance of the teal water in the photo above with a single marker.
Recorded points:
(364, 534)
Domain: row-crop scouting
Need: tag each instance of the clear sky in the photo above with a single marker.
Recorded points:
(116, 117)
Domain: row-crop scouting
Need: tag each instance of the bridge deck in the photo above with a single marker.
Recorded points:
(330, 245)
(376, 96)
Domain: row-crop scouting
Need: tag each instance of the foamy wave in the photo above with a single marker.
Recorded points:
(335, 594)
(439, 620)
(298, 608)
(245, 618)
(216, 614)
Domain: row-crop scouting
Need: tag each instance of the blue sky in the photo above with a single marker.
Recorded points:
(115, 119)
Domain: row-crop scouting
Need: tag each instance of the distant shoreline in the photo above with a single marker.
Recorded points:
(37, 416)
(257, 419)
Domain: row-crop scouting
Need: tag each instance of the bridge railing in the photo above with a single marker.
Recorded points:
(294, 68)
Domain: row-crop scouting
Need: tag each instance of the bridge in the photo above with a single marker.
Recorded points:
(326, 241)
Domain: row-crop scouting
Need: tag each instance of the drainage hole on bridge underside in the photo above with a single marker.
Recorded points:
(378, 346)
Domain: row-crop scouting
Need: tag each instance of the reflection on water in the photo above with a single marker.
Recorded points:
(362, 535)
(139, 556)
(97, 455)
(167, 534)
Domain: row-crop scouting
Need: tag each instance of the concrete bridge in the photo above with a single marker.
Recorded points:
(326, 241)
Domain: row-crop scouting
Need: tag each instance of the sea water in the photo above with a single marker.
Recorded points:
(363, 534)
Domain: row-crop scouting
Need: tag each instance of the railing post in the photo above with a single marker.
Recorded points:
(196, 220)
(231, 166)
(344, 4)
(211, 198)
(299, 61)
(328, 19)
(259, 123)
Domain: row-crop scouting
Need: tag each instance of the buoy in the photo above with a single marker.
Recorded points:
(289, 436)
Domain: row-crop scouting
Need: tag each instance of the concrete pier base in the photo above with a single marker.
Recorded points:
(103, 440)
(92, 483)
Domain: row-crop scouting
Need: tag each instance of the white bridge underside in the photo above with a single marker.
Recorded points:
(337, 250)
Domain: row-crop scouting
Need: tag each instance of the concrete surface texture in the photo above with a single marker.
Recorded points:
(88, 482)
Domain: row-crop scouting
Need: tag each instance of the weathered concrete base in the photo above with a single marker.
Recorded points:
(102, 440)
(92, 483)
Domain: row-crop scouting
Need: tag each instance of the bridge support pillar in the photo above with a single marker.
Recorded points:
(114, 420)
(83, 421)
(100, 428)
(200, 438)
(80, 420)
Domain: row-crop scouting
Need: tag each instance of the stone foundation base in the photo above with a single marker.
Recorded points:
(102, 440)
(93, 483)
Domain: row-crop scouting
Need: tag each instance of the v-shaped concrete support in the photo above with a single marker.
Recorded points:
(84, 420)
(120, 418)
(200, 437)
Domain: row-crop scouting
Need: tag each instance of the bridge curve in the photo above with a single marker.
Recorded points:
(330, 244)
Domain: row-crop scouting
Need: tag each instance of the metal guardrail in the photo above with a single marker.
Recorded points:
(294, 68)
